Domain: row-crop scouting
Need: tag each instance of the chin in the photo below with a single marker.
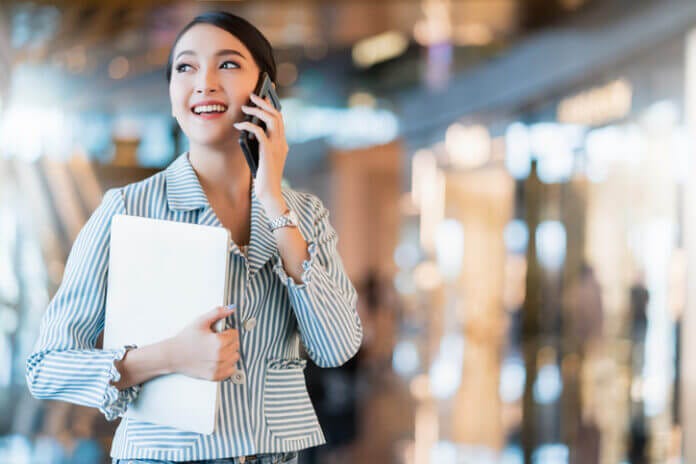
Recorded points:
(212, 138)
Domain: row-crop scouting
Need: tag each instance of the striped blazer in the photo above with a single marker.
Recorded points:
(264, 408)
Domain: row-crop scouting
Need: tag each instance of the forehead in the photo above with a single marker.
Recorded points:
(206, 39)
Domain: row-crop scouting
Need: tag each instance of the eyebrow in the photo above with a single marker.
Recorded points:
(225, 51)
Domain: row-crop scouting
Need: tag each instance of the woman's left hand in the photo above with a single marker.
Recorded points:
(273, 147)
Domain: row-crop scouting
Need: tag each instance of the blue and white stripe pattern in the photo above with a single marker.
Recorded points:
(270, 411)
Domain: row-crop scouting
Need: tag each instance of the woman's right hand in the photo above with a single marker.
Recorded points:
(198, 351)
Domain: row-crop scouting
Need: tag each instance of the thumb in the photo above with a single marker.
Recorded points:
(215, 315)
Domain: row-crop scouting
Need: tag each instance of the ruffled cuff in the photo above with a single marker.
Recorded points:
(115, 401)
(308, 266)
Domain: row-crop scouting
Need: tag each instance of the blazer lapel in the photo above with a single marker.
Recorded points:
(184, 193)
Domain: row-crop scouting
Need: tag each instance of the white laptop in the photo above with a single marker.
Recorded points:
(162, 276)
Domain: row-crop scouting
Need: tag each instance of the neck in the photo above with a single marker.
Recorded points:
(222, 171)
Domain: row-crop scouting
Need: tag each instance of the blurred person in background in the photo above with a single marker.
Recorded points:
(638, 300)
(584, 299)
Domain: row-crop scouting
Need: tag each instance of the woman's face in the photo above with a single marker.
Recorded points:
(210, 65)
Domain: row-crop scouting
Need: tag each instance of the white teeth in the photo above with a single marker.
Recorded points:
(209, 109)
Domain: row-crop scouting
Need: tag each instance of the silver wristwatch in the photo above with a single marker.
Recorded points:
(287, 219)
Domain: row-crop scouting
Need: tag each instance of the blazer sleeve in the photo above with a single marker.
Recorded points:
(325, 303)
(64, 364)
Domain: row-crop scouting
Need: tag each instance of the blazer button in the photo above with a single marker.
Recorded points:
(238, 377)
(250, 323)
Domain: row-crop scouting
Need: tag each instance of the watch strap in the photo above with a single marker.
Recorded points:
(281, 221)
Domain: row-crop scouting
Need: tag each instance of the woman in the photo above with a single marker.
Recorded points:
(287, 280)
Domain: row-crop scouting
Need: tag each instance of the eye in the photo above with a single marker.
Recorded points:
(229, 62)
(180, 68)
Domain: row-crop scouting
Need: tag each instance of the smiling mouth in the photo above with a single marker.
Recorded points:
(208, 109)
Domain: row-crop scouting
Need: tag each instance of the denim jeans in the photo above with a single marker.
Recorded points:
(275, 458)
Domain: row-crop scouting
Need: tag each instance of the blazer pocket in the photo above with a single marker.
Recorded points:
(154, 436)
(286, 404)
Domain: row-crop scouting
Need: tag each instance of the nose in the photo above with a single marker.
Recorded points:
(205, 90)
(207, 82)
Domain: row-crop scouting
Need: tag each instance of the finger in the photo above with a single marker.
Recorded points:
(265, 104)
(229, 361)
(225, 371)
(254, 129)
(228, 339)
(232, 332)
(230, 370)
(215, 315)
(269, 119)
(227, 356)
(231, 347)
(233, 358)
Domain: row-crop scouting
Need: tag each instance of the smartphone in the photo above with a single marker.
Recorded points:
(247, 140)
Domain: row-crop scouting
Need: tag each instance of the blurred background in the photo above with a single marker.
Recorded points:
(512, 183)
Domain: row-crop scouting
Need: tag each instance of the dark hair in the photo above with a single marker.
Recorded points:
(259, 46)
